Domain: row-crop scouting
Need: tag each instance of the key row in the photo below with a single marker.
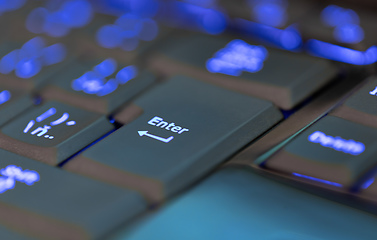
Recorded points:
(95, 82)
(176, 132)
(341, 33)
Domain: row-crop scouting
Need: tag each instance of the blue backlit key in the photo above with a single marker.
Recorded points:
(180, 130)
(281, 77)
(48, 203)
(13, 102)
(29, 65)
(124, 38)
(273, 22)
(204, 16)
(58, 18)
(52, 132)
(332, 151)
(341, 33)
(97, 85)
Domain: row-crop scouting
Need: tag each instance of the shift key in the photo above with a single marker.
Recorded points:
(182, 129)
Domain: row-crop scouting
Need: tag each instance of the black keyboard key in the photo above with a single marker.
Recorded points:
(332, 151)
(281, 77)
(53, 132)
(360, 107)
(49, 203)
(186, 128)
(12, 103)
(97, 85)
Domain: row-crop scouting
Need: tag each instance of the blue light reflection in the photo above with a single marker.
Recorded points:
(57, 23)
(367, 183)
(141, 8)
(237, 56)
(318, 180)
(10, 5)
(334, 16)
(196, 17)
(94, 82)
(288, 39)
(346, 24)
(269, 12)
(126, 32)
(31, 58)
(203, 3)
(349, 33)
(341, 54)
(5, 96)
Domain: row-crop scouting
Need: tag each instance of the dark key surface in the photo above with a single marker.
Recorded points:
(49, 203)
(238, 204)
(186, 127)
(53, 132)
(360, 107)
(281, 77)
(332, 151)
(100, 85)
(13, 102)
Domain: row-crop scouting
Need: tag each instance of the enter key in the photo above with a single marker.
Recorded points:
(180, 130)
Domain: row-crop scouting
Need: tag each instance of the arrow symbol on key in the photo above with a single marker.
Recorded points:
(145, 133)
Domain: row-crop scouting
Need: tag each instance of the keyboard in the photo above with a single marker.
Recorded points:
(187, 119)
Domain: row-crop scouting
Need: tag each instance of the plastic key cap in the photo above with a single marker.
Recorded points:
(360, 107)
(333, 151)
(53, 132)
(49, 203)
(12, 103)
(281, 77)
(186, 128)
(97, 85)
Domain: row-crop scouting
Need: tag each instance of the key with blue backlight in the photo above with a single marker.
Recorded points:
(341, 33)
(124, 38)
(29, 65)
(47, 203)
(332, 151)
(52, 132)
(273, 22)
(59, 18)
(204, 16)
(281, 77)
(100, 85)
(184, 128)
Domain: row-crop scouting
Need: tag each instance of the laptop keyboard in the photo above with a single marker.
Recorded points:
(118, 117)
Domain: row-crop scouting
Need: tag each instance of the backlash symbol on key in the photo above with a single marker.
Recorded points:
(42, 131)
